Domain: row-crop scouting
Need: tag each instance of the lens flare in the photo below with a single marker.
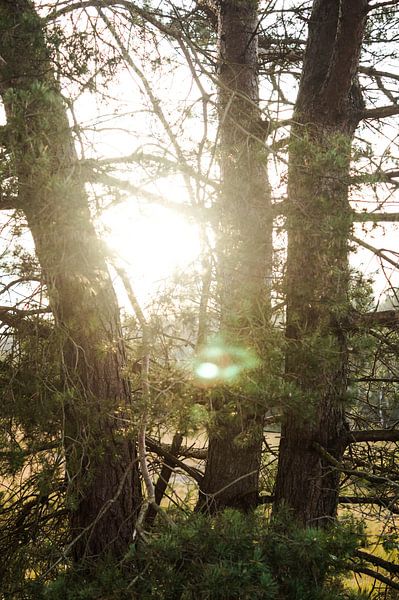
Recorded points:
(220, 362)
(207, 370)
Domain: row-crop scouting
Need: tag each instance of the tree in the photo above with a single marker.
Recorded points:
(327, 112)
(338, 350)
(244, 258)
(101, 465)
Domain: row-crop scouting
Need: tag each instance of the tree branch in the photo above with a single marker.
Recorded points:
(352, 472)
(381, 112)
(375, 575)
(382, 4)
(376, 251)
(376, 73)
(371, 379)
(151, 197)
(388, 503)
(380, 318)
(373, 435)
(159, 449)
(18, 319)
(376, 217)
(127, 4)
(140, 156)
(164, 478)
(378, 561)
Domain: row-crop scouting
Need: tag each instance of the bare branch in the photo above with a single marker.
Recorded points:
(352, 472)
(19, 319)
(378, 252)
(382, 4)
(145, 363)
(381, 112)
(127, 4)
(155, 102)
(375, 379)
(196, 212)
(381, 318)
(376, 73)
(140, 156)
(153, 446)
(387, 503)
(375, 575)
(378, 561)
(188, 452)
(373, 435)
(375, 217)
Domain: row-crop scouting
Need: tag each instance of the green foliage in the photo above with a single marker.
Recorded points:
(324, 154)
(390, 541)
(227, 557)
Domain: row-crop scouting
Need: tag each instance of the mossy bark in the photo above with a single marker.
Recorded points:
(244, 258)
(327, 112)
(101, 467)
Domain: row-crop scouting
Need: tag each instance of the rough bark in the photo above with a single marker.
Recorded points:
(101, 469)
(328, 108)
(244, 249)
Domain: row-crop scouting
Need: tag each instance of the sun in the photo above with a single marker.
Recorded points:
(151, 243)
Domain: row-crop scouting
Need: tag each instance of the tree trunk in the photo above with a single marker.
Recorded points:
(327, 112)
(244, 253)
(101, 466)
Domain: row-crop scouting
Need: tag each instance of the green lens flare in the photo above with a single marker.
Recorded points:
(220, 362)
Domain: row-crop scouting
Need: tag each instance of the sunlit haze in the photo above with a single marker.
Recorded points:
(151, 244)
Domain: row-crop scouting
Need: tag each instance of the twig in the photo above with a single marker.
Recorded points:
(146, 394)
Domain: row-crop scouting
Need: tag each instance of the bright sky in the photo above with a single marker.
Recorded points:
(150, 244)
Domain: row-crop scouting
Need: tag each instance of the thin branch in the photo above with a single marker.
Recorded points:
(376, 73)
(164, 478)
(375, 575)
(14, 282)
(376, 251)
(19, 319)
(196, 212)
(352, 472)
(382, 4)
(146, 393)
(378, 176)
(380, 318)
(156, 104)
(375, 217)
(378, 561)
(373, 435)
(381, 112)
(153, 446)
(140, 156)
(9, 454)
(187, 452)
(371, 379)
(127, 4)
(388, 503)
